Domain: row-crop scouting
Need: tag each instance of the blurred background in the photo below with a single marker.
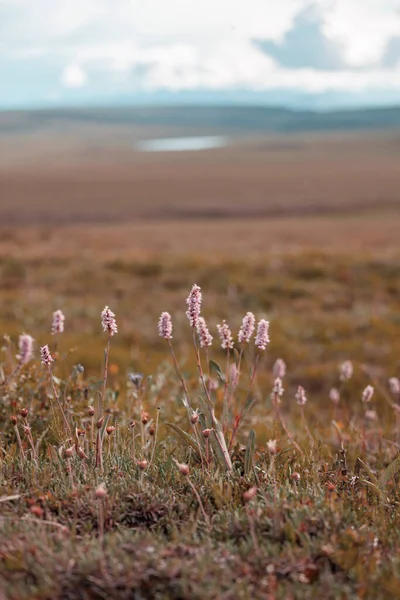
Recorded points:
(250, 146)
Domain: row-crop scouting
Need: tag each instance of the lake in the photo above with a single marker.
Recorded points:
(182, 144)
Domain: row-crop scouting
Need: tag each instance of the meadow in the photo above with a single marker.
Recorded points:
(198, 478)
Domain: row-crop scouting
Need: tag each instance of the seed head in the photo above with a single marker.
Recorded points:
(279, 368)
(110, 429)
(145, 417)
(45, 355)
(262, 337)
(206, 433)
(205, 338)
(247, 328)
(142, 464)
(91, 411)
(108, 321)
(394, 385)
(296, 476)
(272, 447)
(25, 348)
(301, 396)
(367, 394)
(346, 370)
(57, 325)
(334, 396)
(165, 326)
(225, 336)
(194, 305)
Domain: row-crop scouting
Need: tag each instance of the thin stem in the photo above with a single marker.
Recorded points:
(67, 426)
(195, 492)
(100, 410)
(240, 418)
(286, 430)
(178, 372)
(155, 437)
(21, 450)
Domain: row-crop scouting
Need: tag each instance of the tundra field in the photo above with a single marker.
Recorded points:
(112, 484)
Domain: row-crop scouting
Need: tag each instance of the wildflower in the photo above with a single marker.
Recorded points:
(25, 348)
(142, 464)
(334, 396)
(205, 338)
(262, 338)
(165, 326)
(394, 385)
(247, 328)
(57, 325)
(233, 374)
(194, 305)
(136, 379)
(108, 321)
(110, 429)
(296, 476)
(346, 370)
(23, 412)
(45, 355)
(277, 390)
(279, 368)
(213, 384)
(301, 396)
(367, 394)
(225, 335)
(272, 447)
(370, 415)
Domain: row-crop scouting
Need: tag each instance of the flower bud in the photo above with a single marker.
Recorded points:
(91, 411)
(207, 433)
(142, 464)
(23, 412)
(101, 492)
(250, 494)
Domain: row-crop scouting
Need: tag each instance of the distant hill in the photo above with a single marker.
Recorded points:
(228, 119)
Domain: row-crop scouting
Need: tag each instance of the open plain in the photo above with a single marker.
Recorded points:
(300, 227)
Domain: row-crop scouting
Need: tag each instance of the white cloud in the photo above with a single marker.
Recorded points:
(194, 44)
(73, 76)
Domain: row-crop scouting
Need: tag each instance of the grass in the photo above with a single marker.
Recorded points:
(319, 518)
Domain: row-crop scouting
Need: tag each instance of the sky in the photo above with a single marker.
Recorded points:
(300, 53)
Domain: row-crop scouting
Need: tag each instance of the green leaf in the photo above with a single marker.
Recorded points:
(215, 368)
(250, 450)
(184, 436)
